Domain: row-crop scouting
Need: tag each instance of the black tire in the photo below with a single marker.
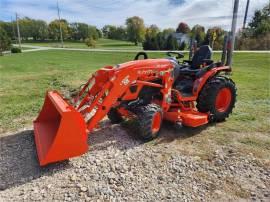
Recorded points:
(208, 95)
(114, 116)
(145, 115)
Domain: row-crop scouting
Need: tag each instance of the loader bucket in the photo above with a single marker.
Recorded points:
(60, 131)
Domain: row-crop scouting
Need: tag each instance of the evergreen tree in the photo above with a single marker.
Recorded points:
(5, 41)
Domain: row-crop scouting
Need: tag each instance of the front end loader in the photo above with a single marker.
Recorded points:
(189, 93)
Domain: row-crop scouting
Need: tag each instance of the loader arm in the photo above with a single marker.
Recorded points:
(108, 85)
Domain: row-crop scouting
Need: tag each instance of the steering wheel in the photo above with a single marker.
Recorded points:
(145, 56)
(178, 54)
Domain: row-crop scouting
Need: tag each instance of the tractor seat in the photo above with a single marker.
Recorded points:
(201, 56)
(192, 68)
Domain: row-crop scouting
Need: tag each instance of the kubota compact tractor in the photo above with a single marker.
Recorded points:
(191, 93)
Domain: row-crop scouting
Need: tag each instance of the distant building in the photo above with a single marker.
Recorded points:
(181, 37)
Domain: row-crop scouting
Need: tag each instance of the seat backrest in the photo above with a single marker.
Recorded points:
(204, 52)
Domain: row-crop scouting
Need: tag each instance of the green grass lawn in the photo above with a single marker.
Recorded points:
(25, 78)
(101, 43)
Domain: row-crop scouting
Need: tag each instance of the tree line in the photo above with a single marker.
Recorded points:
(166, 39)
(255, 36)
(39, 30)
(152, 37)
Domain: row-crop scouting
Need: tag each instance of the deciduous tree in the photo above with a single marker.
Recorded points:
(54, 31)
(183, 28)
(167, 32)
(135, 29)
(198, 33)
(260, 23)
(78, 31)
(152, 31)
(92, 32)
(218, 37)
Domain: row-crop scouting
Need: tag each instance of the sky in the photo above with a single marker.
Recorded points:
(164, 13)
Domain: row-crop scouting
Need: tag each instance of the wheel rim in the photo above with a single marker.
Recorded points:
(223, 99)
(156, 122)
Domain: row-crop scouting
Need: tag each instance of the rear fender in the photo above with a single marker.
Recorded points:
(200, 82)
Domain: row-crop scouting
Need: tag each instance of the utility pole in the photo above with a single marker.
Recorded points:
(60, 28)
(232, 33)
(18, 31)
(191, 44)
(224, 50)
(214, 37)
(246, 13)
(13, 29)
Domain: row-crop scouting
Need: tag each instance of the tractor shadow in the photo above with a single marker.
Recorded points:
(121, 136)
(170, 132)
(18, 160)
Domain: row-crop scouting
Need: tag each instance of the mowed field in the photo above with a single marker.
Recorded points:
(26, 77)
(101, 43)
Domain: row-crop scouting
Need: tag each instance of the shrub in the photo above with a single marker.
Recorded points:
(90, 42)
(16, 50)
(252, 43)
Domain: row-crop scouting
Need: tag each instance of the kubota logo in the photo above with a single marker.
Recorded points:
(148, 72)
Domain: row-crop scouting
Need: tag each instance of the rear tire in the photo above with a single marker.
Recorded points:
(149, 121)
(218, 97)
(114, 116)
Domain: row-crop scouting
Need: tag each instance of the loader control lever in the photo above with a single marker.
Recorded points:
(145, 56)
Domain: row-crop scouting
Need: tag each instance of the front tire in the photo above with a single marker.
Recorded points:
(218, 97)
(149, 121)
(114, 116)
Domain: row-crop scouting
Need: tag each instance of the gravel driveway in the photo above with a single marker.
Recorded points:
(120, 167)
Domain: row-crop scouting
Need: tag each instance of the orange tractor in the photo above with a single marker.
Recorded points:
(189, 93)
